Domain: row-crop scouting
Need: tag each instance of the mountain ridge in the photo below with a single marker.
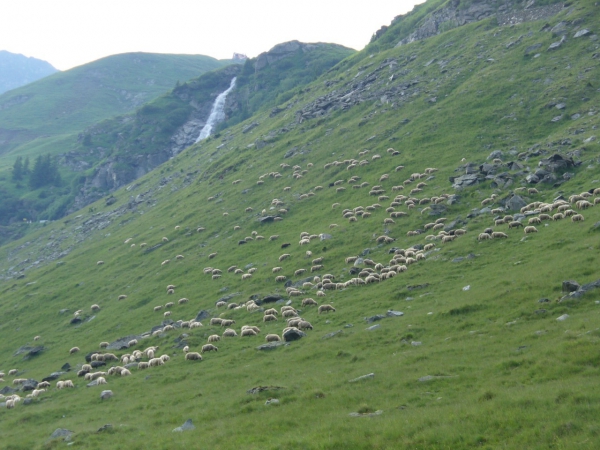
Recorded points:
(17, 70)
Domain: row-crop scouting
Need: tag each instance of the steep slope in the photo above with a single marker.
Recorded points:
(493, 350)
(134, 144)
(17, 70)
(69, 101)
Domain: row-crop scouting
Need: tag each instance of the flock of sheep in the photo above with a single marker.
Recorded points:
(365, 270)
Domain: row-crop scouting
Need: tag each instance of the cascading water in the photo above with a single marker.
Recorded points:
(217, 113)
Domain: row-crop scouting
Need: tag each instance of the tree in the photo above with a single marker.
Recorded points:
(17, 173)
(26, 166)
(45, 172)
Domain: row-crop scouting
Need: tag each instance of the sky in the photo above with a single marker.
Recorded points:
(68, 33)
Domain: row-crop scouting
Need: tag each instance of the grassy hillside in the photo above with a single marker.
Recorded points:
(69, 101)
(478, 360)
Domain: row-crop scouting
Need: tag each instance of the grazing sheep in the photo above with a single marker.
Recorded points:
(320, 294)
(193, 356)
(577, 218)
(143, 365)
(534, 221)
(95, 308)
(216, 321)
(280, 278)
(60, 384)
(156, 362)
(68, 384)
(101, 380)
(530, 229)
(272, 338)
(121, 297)
(214, 338)
(181, 301)
(167, 313)
(36, 338)
(212, 255)
(157, 308)
(125, 372)
(208, 348)
(284, 256)
(304, 325)
(227, 322)
(132, 343)
(499, 234)
(326, 308)
(12, 372)
(483, 236)
(229, 333)
(248, 332)
(43, 385)
(73, 350)
(99, 263)
(269, 318)
(165, 358)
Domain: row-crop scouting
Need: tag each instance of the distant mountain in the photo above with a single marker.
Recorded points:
(18, 70)
(69, 101)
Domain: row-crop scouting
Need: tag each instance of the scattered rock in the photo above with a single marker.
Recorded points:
(435, 377)
(570, 286)
(267, 219)
(332, 334)
(364, 377)
(271, 345)
(392, 313)
(270, 299)
(29, 385)
(556, 45)
(373, 327)
(106, 427)
(415, 343)
(62, 433)
(374, 318)
(105, 395)
(7, 390)
(373, 414)
(53, 376)
(257, 389)
(272, 401)
(580, 33)
(202, 315)
(293, 335)
(188, 425)
(562, 318)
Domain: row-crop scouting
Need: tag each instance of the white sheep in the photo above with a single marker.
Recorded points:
(193, 356)
(214, 338)
(73, 350)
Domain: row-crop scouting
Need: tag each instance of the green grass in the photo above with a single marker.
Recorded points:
(507, 375)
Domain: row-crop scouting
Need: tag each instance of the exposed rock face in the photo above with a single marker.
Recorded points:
(454, 15)
(281, 51)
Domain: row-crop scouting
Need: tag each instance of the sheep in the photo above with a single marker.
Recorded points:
(181, 301)
(320, 294)
(43, 385)
(577, 218)
(73, 350)
(212, 255)
(68, 384)
(558, 216)
(193, 356)
(37, 392)
(272, 338)
(216, 321)
(280, 278)
(12, 372)
(284, 256)
(269, 318)
(125, 372)
(227, 322)
(483, 236)
(326, 308)
(499, 234)
(214, 338)
(309, 302)
(86, 367)
(143, 365)
(121, 297)
(534, 221)
(99, 263)
(157, 308)
(304, 325)
(209, 348)
(530, 229)
(150, 352)
(156, 362)
(35, 338)
(316, 267)
(167, 313)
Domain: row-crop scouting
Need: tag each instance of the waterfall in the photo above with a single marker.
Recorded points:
(217, 113)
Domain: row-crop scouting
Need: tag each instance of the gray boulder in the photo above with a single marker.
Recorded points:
(293, 335)
(271, 345)
(570, 286)
(105, 395)
(62, 433)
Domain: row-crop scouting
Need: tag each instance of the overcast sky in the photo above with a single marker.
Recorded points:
(69, 33)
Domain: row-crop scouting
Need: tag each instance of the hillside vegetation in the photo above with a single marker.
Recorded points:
(492, 350)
